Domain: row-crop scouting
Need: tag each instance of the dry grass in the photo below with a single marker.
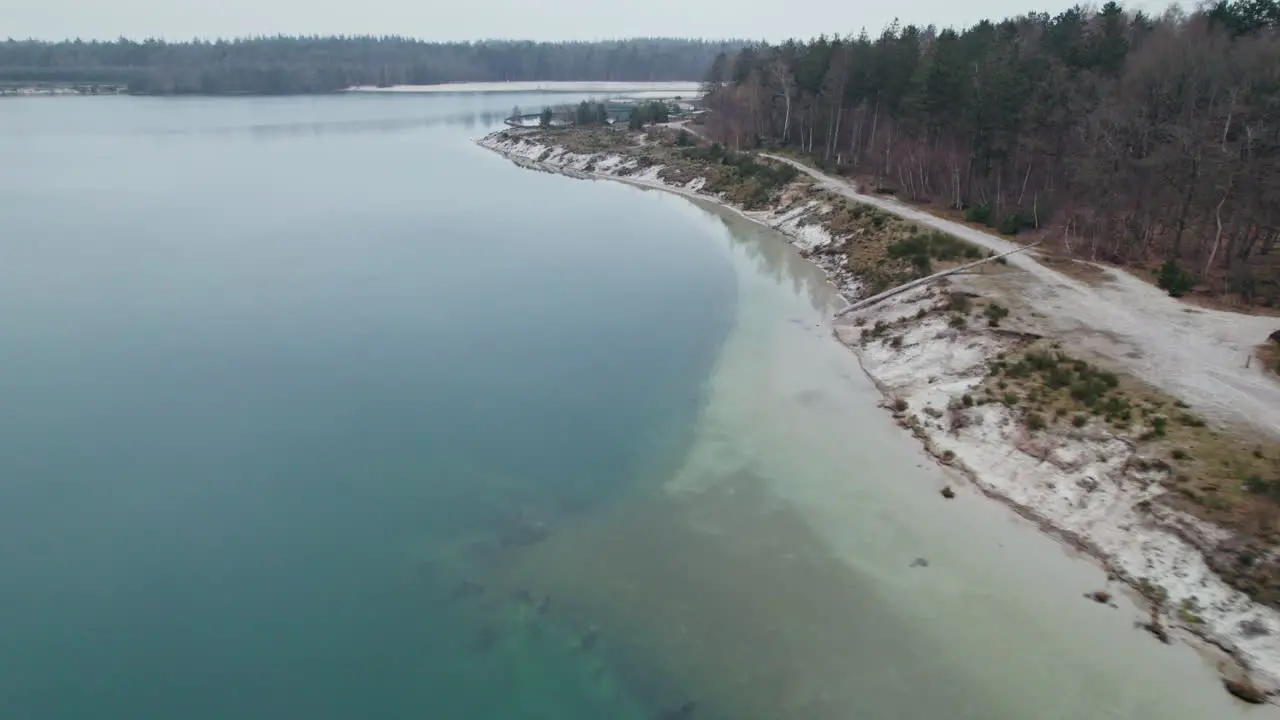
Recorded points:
(1231, 478)
(1269, 354)
(884, 250)
(1079, 269)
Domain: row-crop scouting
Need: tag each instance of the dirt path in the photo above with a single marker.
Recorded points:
(1192, 353)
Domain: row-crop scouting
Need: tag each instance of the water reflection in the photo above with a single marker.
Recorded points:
(470, 120)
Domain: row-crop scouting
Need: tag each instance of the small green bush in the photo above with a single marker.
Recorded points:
(1035, 421)
(1080, 420)
(1174, 280)
(980, 213)
(1010, 224)
(1159, 424)
(995, 313)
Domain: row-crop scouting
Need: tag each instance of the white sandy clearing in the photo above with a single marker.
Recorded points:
(1194, 354)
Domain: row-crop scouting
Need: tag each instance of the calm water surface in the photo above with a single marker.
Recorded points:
(312, 409)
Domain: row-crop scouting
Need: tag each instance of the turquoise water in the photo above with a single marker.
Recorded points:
(266, 360)
(310, 408)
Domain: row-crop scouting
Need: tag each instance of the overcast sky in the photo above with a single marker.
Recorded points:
(474, 19)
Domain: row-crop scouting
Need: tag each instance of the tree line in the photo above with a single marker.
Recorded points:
(1123, 136)
(590, 113)
(280, 65)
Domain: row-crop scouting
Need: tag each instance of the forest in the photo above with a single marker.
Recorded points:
(1152, 141)
(282, 65)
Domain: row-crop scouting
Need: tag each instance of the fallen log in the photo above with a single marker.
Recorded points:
(879, 297)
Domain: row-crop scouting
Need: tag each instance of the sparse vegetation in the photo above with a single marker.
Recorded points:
(1174, 280)
(1230, 479)
(958, 302)
(1189, 611)
(995, 313)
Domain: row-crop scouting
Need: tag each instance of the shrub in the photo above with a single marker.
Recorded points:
(1174, 280)
(995, 313)
(684, 139)
(1191, 420)
(957, 321)
(1060, 377)
(1035, 421)
(1256, 485)
(966, 400)
(1010, 224)
(1011, 398)
(1080, 420)
(958, 302)
(1159, 424)
(900, 404)
(980, 213)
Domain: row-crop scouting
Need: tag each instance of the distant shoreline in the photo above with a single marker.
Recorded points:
(557, 86)
(666, 88)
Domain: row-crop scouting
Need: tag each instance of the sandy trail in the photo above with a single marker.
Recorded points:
(1195, 354)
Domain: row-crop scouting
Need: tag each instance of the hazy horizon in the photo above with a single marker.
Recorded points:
(569, 20)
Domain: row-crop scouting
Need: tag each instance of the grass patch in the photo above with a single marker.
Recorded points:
(995, 313)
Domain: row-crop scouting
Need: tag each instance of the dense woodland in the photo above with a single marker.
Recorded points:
(280, 65)
(1120, 136)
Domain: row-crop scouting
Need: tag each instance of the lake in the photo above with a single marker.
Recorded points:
(312, 408)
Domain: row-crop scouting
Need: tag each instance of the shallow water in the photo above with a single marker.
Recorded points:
(314, 409)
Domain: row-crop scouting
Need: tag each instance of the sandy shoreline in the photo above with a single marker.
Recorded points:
(1082, 488)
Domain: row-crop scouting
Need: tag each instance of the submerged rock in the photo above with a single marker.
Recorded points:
(1102, 597)
(524, 533)
(683, 711)
(466, 589)
(1156, 628)
(919, 562)
(486, 637)
(589, 638)
(1245, 690)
